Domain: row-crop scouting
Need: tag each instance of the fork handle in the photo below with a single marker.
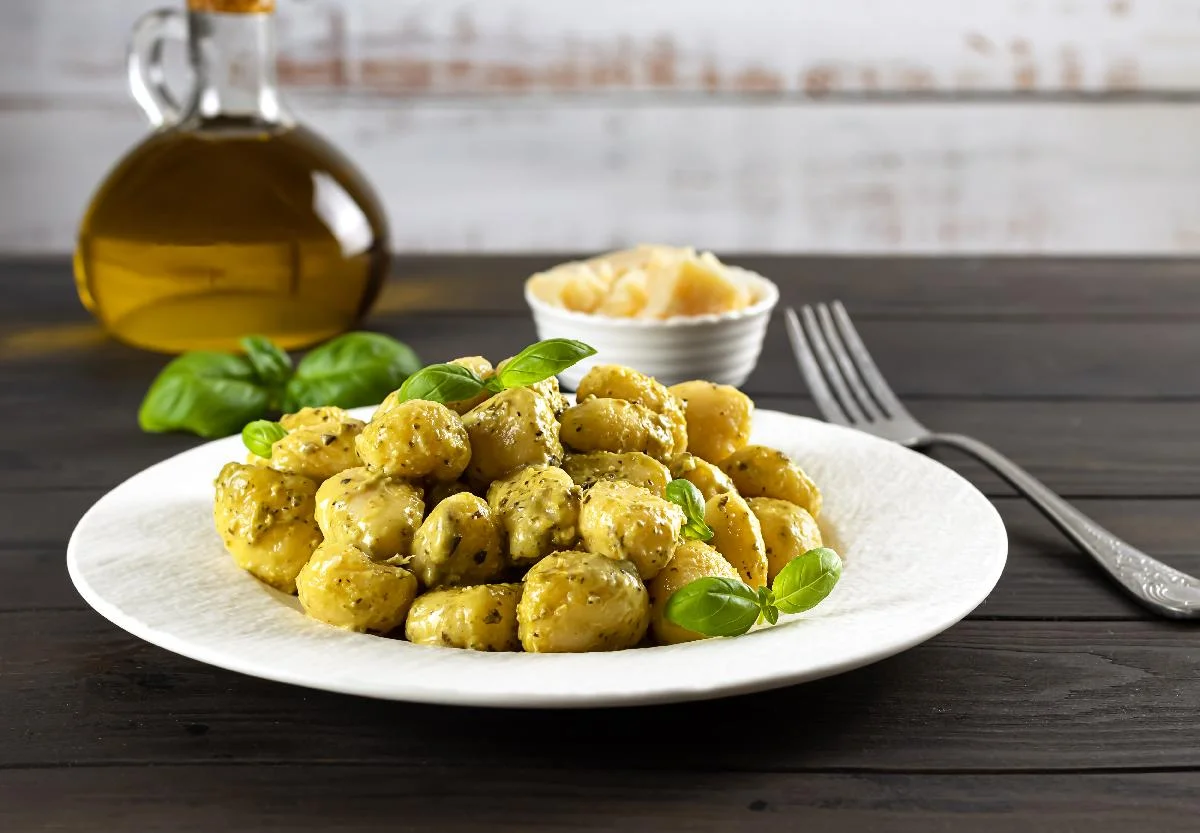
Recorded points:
(1161, 588)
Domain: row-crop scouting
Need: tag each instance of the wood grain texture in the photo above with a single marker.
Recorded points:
(935, 358)
(986, 696)
(683, 47)
(785, 177)
(450, 799)
(1091, 289)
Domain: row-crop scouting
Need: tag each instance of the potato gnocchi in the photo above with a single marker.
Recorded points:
(511, 520)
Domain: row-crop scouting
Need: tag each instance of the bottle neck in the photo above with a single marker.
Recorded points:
(234, 60)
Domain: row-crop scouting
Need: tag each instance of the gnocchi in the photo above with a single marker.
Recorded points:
(630, 467)
(514, 428)
(718, 418)
(616, 425)
(342, 586)
(374, 512)
(788, 531)
(737, 535)
(580, 601)
(692, 560)
(706, 477)
(416, 439)
(627, 522)
(320, 443)
(616, 382)
(266, 520)
(508, 520)
(758, 471)
(482, 617)
(459, 543)
(538, 509)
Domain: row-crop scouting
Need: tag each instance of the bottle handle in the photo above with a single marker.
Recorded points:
(144, 64)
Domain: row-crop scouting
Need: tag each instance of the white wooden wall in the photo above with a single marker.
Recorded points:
(1019, 126)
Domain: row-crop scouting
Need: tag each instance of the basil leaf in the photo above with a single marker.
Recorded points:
(210, 394)
(273, 365)
(351, 370)
(441, 383)
(260, 435)
(714, 607)
(766, 605)
(685, 494)
(539, 361)
(807, 580)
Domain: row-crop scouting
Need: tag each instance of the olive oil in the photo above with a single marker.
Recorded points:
(200, 237)
(231, 218)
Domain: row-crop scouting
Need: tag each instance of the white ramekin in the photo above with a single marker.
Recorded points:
(721, 348)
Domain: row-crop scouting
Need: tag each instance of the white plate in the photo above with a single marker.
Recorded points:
(922, 549)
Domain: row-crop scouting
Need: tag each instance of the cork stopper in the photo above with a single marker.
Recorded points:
(232, 6)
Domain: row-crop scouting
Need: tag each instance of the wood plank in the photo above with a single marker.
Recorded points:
(1079, 448)
(879, 287)
(199, 799)
(1046, 577)
(985, 696)
(520, 47)
(937, 358)
(881, 178)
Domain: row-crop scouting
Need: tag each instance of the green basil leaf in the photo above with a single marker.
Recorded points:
(807, 580)
(539, 361)
(260, 435)
(714, 607)
(351, 370)
(441, 383)
(685, 494)
(273, 365)
(210, 394)
(766, 605)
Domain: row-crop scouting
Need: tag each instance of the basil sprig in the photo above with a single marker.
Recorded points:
(260, 435)
(215, 394)
(453, 383)
(441, 383)
(210, 394)
(685, 494)
(717, 606)
(272, 364)
(714, 606)
(806, 581)
(538, 362)
(350, 371)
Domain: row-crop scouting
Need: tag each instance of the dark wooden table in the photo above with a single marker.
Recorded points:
(1057, 705)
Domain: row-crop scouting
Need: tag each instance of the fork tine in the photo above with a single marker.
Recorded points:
(826, 403)
(849, 372)
(866, 365)
(829, 365)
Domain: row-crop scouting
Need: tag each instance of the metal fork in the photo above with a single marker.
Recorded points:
(849, 390)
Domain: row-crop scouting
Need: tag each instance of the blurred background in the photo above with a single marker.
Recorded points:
(861, 126)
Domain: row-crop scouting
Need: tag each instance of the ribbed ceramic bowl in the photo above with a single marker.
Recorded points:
(721, 348)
